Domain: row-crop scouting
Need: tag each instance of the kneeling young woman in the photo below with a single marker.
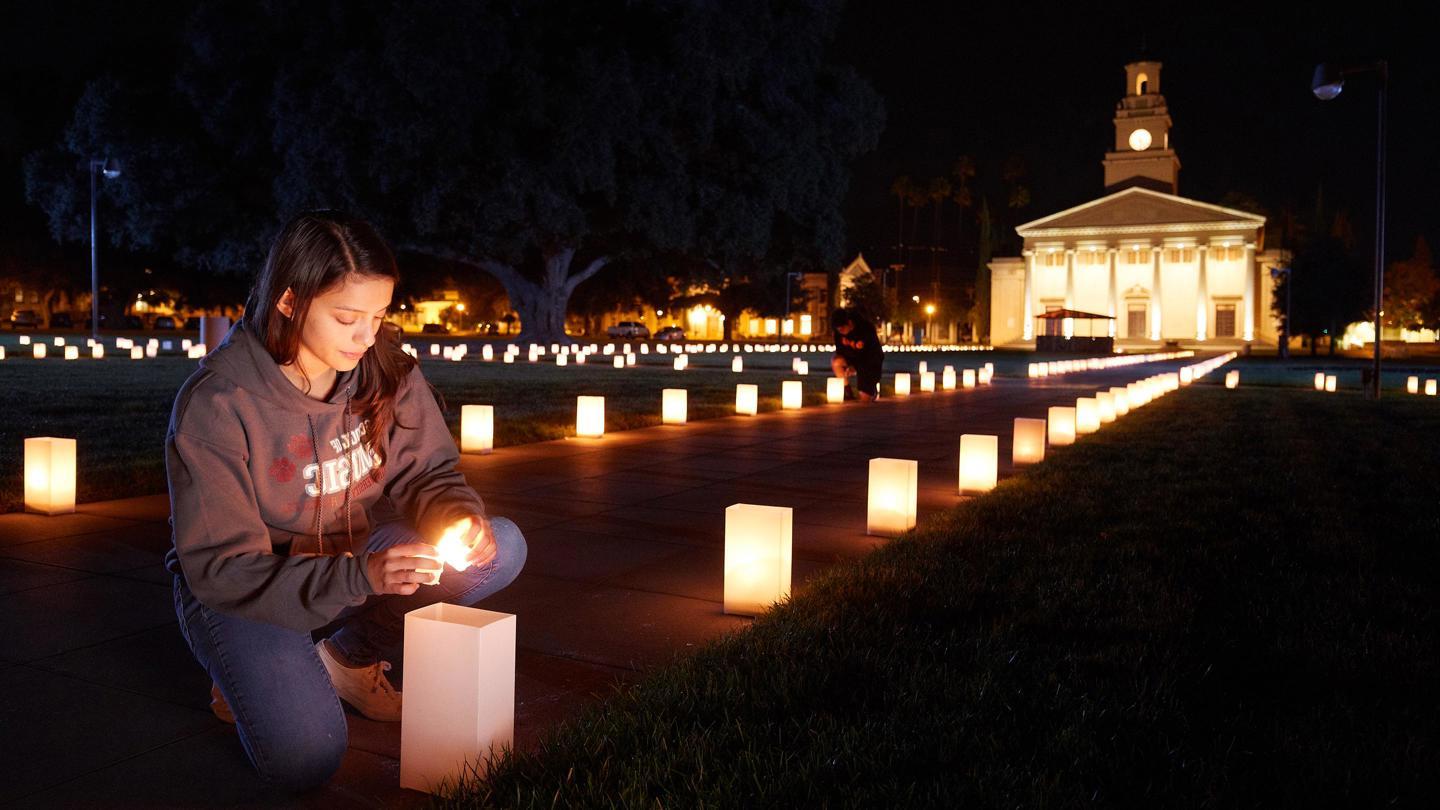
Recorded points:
(310, 471)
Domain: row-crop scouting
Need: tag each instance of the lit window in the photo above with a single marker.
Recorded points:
(1137, 255)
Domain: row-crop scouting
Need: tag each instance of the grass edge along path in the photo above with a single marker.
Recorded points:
(1224, 599)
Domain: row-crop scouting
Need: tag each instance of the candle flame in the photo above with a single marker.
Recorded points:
(453, 550)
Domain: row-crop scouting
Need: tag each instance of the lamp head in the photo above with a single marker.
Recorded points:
(110, 168)
(1327, 81)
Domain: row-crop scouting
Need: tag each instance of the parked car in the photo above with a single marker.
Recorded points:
(130, 322)
(192, 324)
(24, 319)
(629, 330)
(670, 333)
(165, 322)
(61, 320)
(434, 329)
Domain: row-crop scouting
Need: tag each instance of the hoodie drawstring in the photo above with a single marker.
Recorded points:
(349, 477)
(320, 475)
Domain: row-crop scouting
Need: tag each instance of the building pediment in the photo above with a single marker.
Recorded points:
(1135, 210)
(853, 271)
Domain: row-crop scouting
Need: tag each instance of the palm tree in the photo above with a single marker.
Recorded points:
(903, 189)
(938, 192)
(963, 171)
(1017, 193)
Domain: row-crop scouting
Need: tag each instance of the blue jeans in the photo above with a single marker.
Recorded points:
(290, 722)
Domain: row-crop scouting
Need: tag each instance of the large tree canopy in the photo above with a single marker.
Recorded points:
(1329, 283)
(536, 140)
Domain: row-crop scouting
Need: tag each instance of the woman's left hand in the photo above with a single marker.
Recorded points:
(481, 541)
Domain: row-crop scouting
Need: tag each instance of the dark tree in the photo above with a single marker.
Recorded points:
(868, 297)
(1331, 282)
(637, 281)
(1412, 289)
(985, 240)
(537, 142)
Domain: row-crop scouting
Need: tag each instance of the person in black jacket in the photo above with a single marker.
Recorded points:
(857, 352)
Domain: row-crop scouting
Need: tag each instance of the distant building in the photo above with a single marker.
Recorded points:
(809, 318)
(1163, 267)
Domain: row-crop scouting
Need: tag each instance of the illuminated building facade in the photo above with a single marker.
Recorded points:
(1164, 267)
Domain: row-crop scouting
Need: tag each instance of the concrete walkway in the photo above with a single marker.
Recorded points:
(102, 705)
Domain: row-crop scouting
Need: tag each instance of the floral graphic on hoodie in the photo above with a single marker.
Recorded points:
(300, 447)
(282, 470)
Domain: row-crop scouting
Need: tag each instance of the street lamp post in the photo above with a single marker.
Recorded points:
(110, 171)
(1327, 83)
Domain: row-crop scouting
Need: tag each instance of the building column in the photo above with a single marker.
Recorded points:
(1069, 291)
(1202, 299)
(1028, 329)
(1155, 331)
(1249, 333)
(1114, 295)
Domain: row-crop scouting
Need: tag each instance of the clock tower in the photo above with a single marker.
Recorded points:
(1142, 155)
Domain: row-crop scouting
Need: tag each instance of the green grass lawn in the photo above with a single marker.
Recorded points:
(118, 409)
(1227, 599)
(1299, 371)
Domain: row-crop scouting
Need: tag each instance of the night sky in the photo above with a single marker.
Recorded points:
(990, 81)
(996, 79)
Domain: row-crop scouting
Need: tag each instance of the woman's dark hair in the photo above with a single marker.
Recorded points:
(841, 317)
(314, 254)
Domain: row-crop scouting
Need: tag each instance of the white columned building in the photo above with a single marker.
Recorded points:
(1168, 269)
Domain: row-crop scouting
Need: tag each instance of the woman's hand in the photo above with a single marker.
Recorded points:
(481, 540)
(403, 569)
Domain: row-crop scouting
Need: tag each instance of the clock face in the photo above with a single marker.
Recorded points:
(1140, 140)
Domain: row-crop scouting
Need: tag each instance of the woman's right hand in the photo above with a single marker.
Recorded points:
(404, 568)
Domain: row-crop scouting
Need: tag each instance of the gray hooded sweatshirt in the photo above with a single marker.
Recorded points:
(273, 494)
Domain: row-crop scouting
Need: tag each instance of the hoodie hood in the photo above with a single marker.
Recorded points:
(242, 359)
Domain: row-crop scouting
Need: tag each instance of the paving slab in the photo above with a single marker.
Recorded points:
(619, 489)
(624, 628)
(655, 523)
(20, 527)
(52, 619)
(714, 499)
(120, 548)
(209, 769)
(151, 508)
(590, 557)
(19, 575)
(58, 728)
(156, 663)
(691, 574)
